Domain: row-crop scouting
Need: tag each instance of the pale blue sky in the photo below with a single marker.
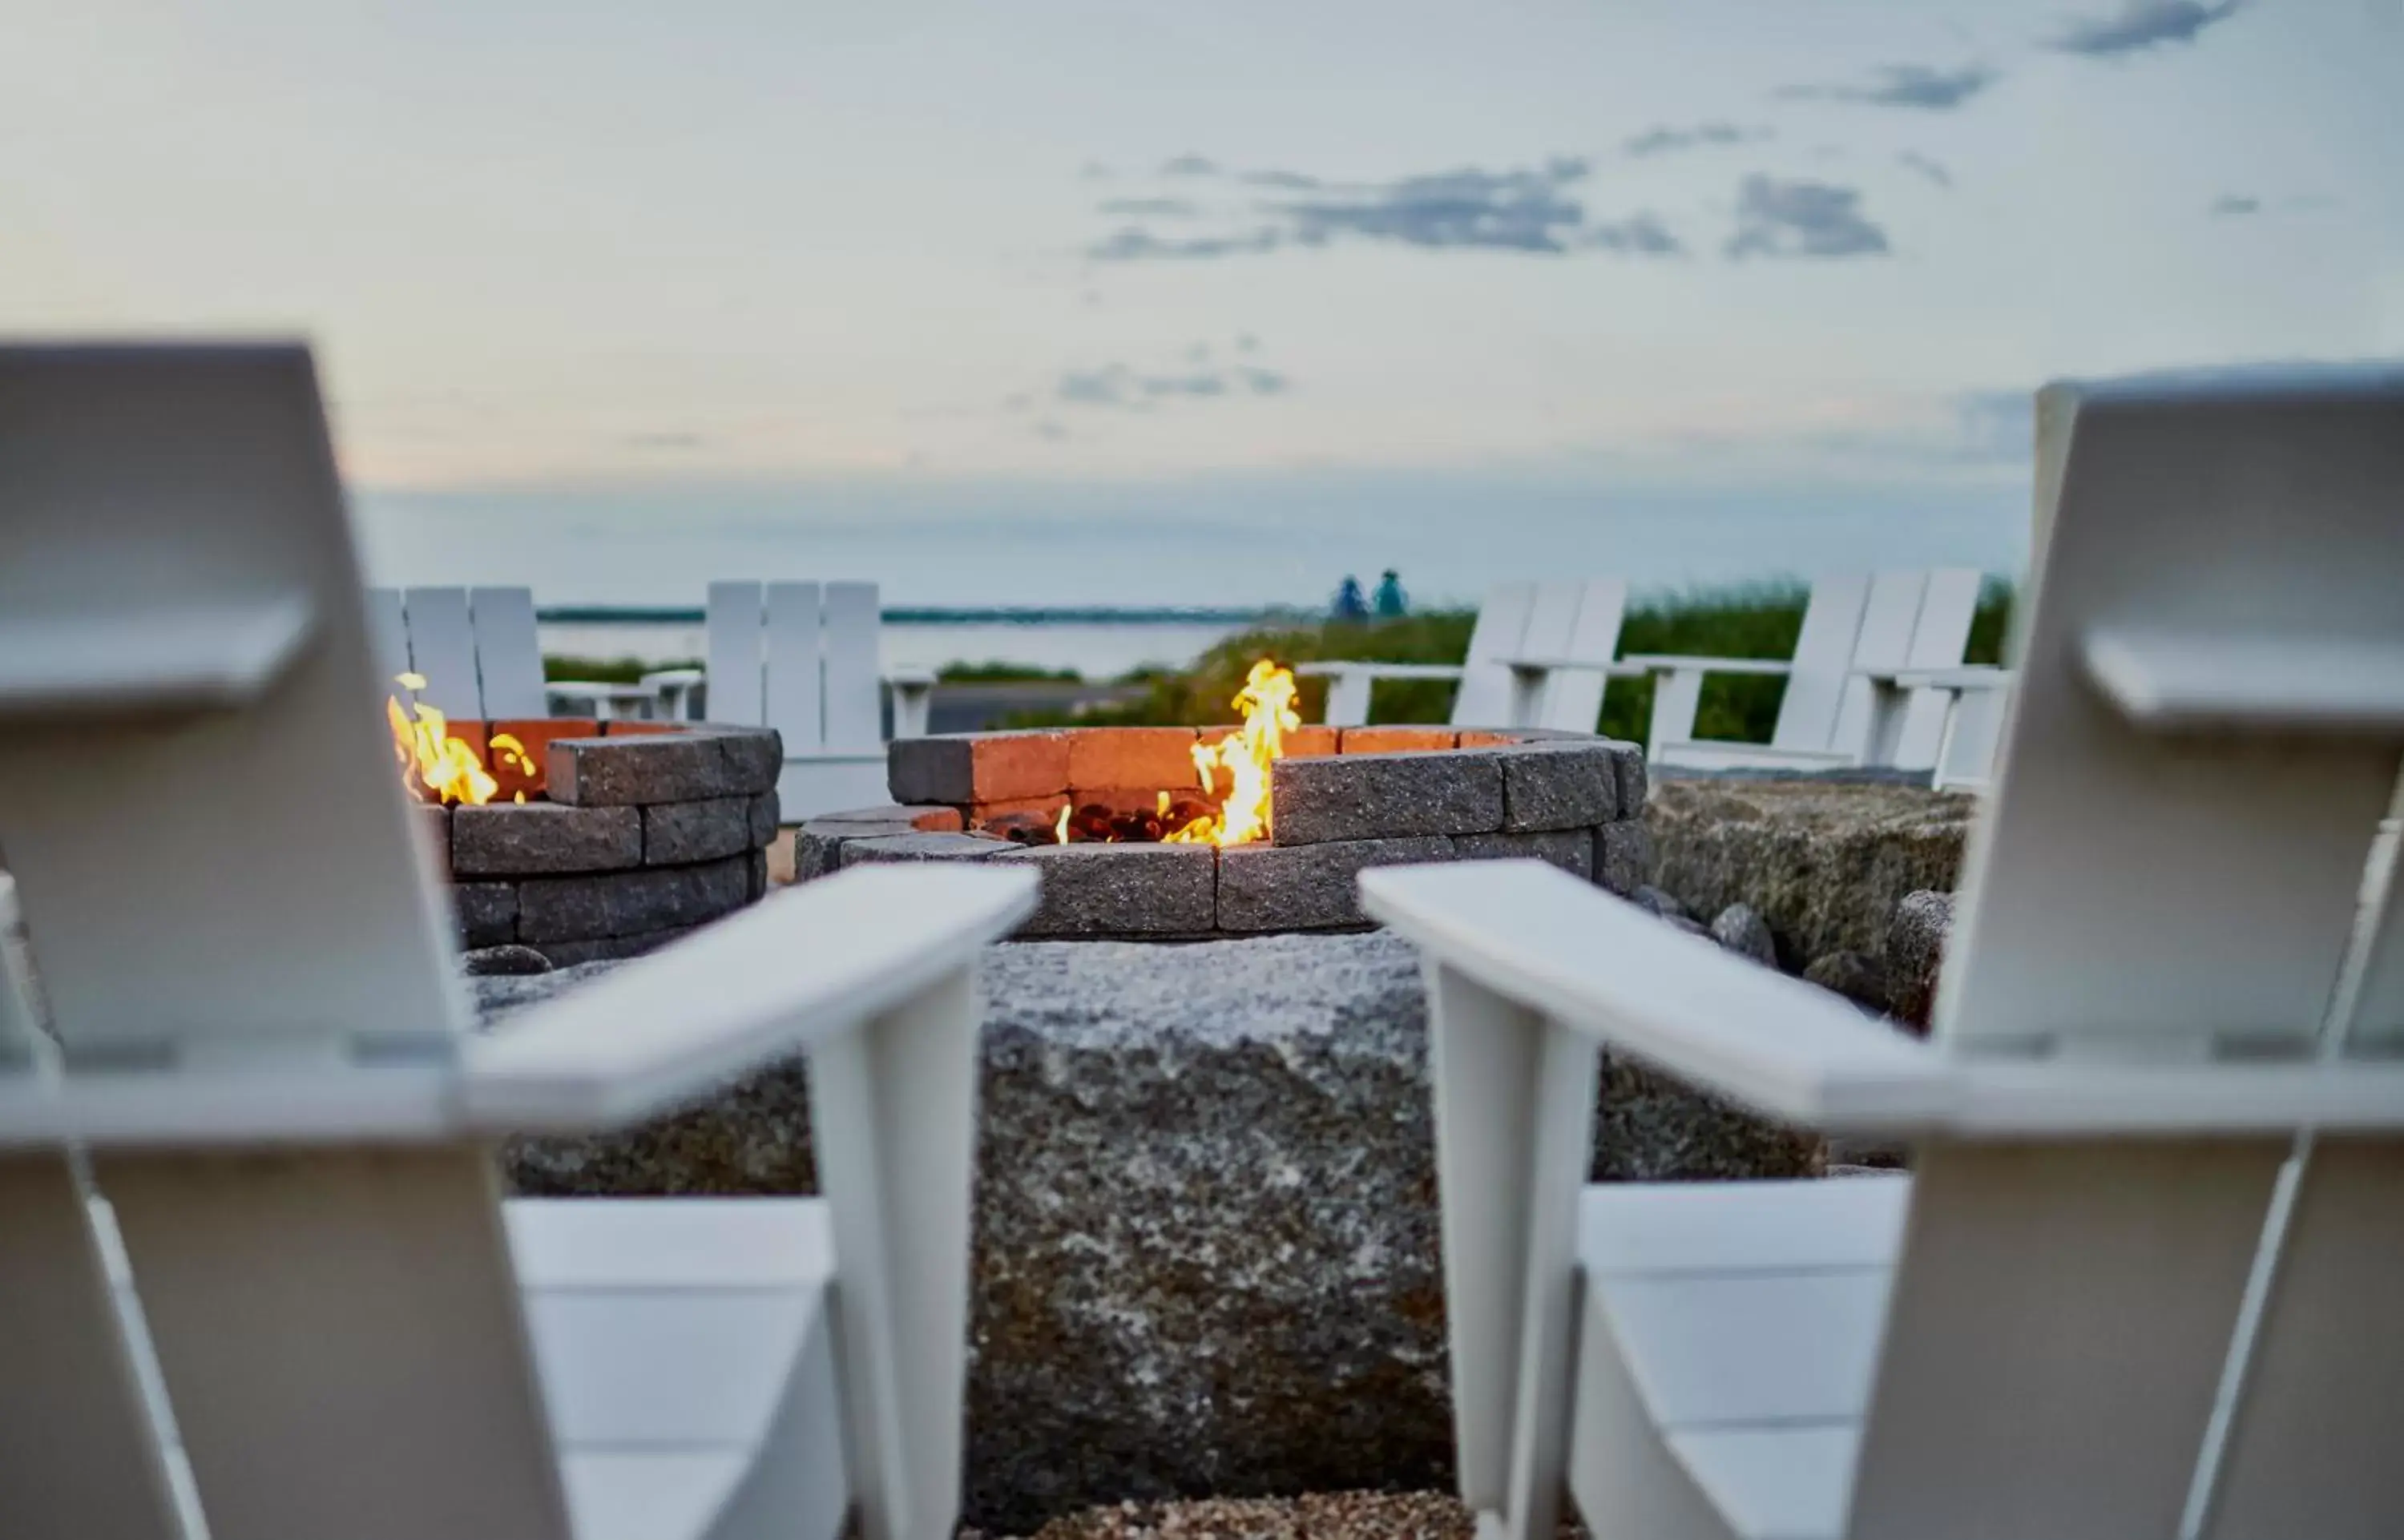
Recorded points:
(955, 254)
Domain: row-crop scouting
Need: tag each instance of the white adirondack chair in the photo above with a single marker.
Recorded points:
(801, 657)
(478, 651)
(1876, 670)
(2099, 1308)
(1538, 657)
(332, 1327)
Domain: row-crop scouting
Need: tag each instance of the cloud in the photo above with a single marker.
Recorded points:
(1527, 210)
(1189, 166)
(1148, 208)
(1663, 139)
(1934, 171)
(1915, 86)
(2230, 204)
(1126, 387)
(1797, 218)
(2141, 26)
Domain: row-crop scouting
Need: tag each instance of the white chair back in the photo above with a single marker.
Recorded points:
(476, 648)
(1577, 621)
(801, 657)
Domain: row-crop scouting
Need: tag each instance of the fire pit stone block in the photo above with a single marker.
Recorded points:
(1310, 886)
(817, 845)
(1559, 785)
(971, 768)
(1386, 795)
(707, 761)
(1123, 890)
(1131, 756)
(1623, 856)
(677, 833)
(509, 839)
(1399, 740)
(626, 903)
(488, 913)
(1571, 849)
(922, 846)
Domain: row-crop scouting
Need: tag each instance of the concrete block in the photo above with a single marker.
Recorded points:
(624, 904)
(486, 911)
(1398, 740)
(765, 821)
(676, 834)
(1571, 849)
(708, 761)
(1386, 795)
(918, 847)
(967, 768)
(1623, 856)
(1559, 785)
(566, 954)
(1131, 756)
(1309, 887)
(541, 838)
(1096, 889)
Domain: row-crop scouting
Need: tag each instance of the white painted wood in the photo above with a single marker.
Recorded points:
(1757, 1347)
(1623, 1475)
(99, 663)
(1775, 1483)
(2200, 681)
(1571, 698)
(1914, 732)
(2170, 842)
(1966, 760)
(854, 704)
(509, 655)
(795, 672)
(387, 634)
(146, 480)
(1655, 1229)
(1347, 695)
(1512, 1111)
(1487, 687)
(1823, 649)
(1883, 643)
(734, 620)
(443, 649)
(79, 1453)
(914, 696)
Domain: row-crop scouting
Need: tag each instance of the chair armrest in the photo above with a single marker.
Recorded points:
(794, 970)
(1970, 677)
(2185, 681)
(96, 665)
(912, 679)
(673, 679)
(1602, 967)
(1760, 753)
(1665, 663)
(1384, 670)
(1618, 669)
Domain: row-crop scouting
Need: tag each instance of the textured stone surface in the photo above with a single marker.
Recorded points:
(1653, 901)
(966, 767)
(1634, 780)
(1623, 856)
(1742, 930)
(709, 760)
(919, 847)
(1387, 796)
(1571, 849)
(1559, 785)
(1131, 756)
(625, 903)
(487, 912)
(1122, 889)
(504, 960)
(1397, 740)
(1205, 1229)
(570, 953)
(818, 844)
(533, 838)
(675, 833)
(765, 815)
(1915, 955)
(1306, 886)
(1825, 864)
(1857, 976)
(433, 826)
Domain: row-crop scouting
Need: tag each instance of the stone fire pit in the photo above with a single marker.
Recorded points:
(1344, 799)
(631, 834)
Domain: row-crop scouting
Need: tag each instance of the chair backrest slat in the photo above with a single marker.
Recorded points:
(1883, 641)
(443, 649)
(854, 706)
(1947, 606)
(1484, 699)
(1824, 654)
(508, 654)
(387, 634)
(794, 689)
(1573, 699)
(734, 653)
(297, 915)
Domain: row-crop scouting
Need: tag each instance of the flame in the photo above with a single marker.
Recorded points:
(437, 766)
(1244, 756)
(1060, 830)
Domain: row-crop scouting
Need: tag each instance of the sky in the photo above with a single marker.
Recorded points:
(1703, 285)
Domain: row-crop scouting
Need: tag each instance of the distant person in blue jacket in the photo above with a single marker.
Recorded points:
(1392, 603)
(1349, 605)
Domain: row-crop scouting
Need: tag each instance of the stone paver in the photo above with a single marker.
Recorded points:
(1571, 849)
(1384, 796)
(1309, 887)
(1559, 785)
(620, 904)
(1102, 890)
(539, 838)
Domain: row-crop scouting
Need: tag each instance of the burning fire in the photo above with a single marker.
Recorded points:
(436, 765)
(1244, 757)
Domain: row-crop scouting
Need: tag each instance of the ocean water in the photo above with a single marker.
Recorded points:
(1098, 652)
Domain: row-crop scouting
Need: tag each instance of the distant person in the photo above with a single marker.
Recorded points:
(1392, 603)
(1349, 605)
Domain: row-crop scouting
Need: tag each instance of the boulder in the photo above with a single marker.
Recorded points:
(1857, 976)
(1915, 949)
(1205, 1232)
(1746, 933)
(1823, 863)
(1653, 901)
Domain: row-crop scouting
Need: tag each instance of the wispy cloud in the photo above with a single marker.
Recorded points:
(1126, 387)
(1920, 87)
(2235, 205)
(1664, 140)
(2141, 26)
(1527, 210)
(1148, 208)
(1934, 171)
(1189, 166)
(1797, 218)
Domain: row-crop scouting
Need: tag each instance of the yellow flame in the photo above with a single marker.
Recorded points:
(1060, 829)
(444, 767)
(1267, 702)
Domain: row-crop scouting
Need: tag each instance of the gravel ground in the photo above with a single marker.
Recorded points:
(1316, 1516)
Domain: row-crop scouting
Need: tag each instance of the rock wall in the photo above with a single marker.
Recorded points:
(1205, 1249)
